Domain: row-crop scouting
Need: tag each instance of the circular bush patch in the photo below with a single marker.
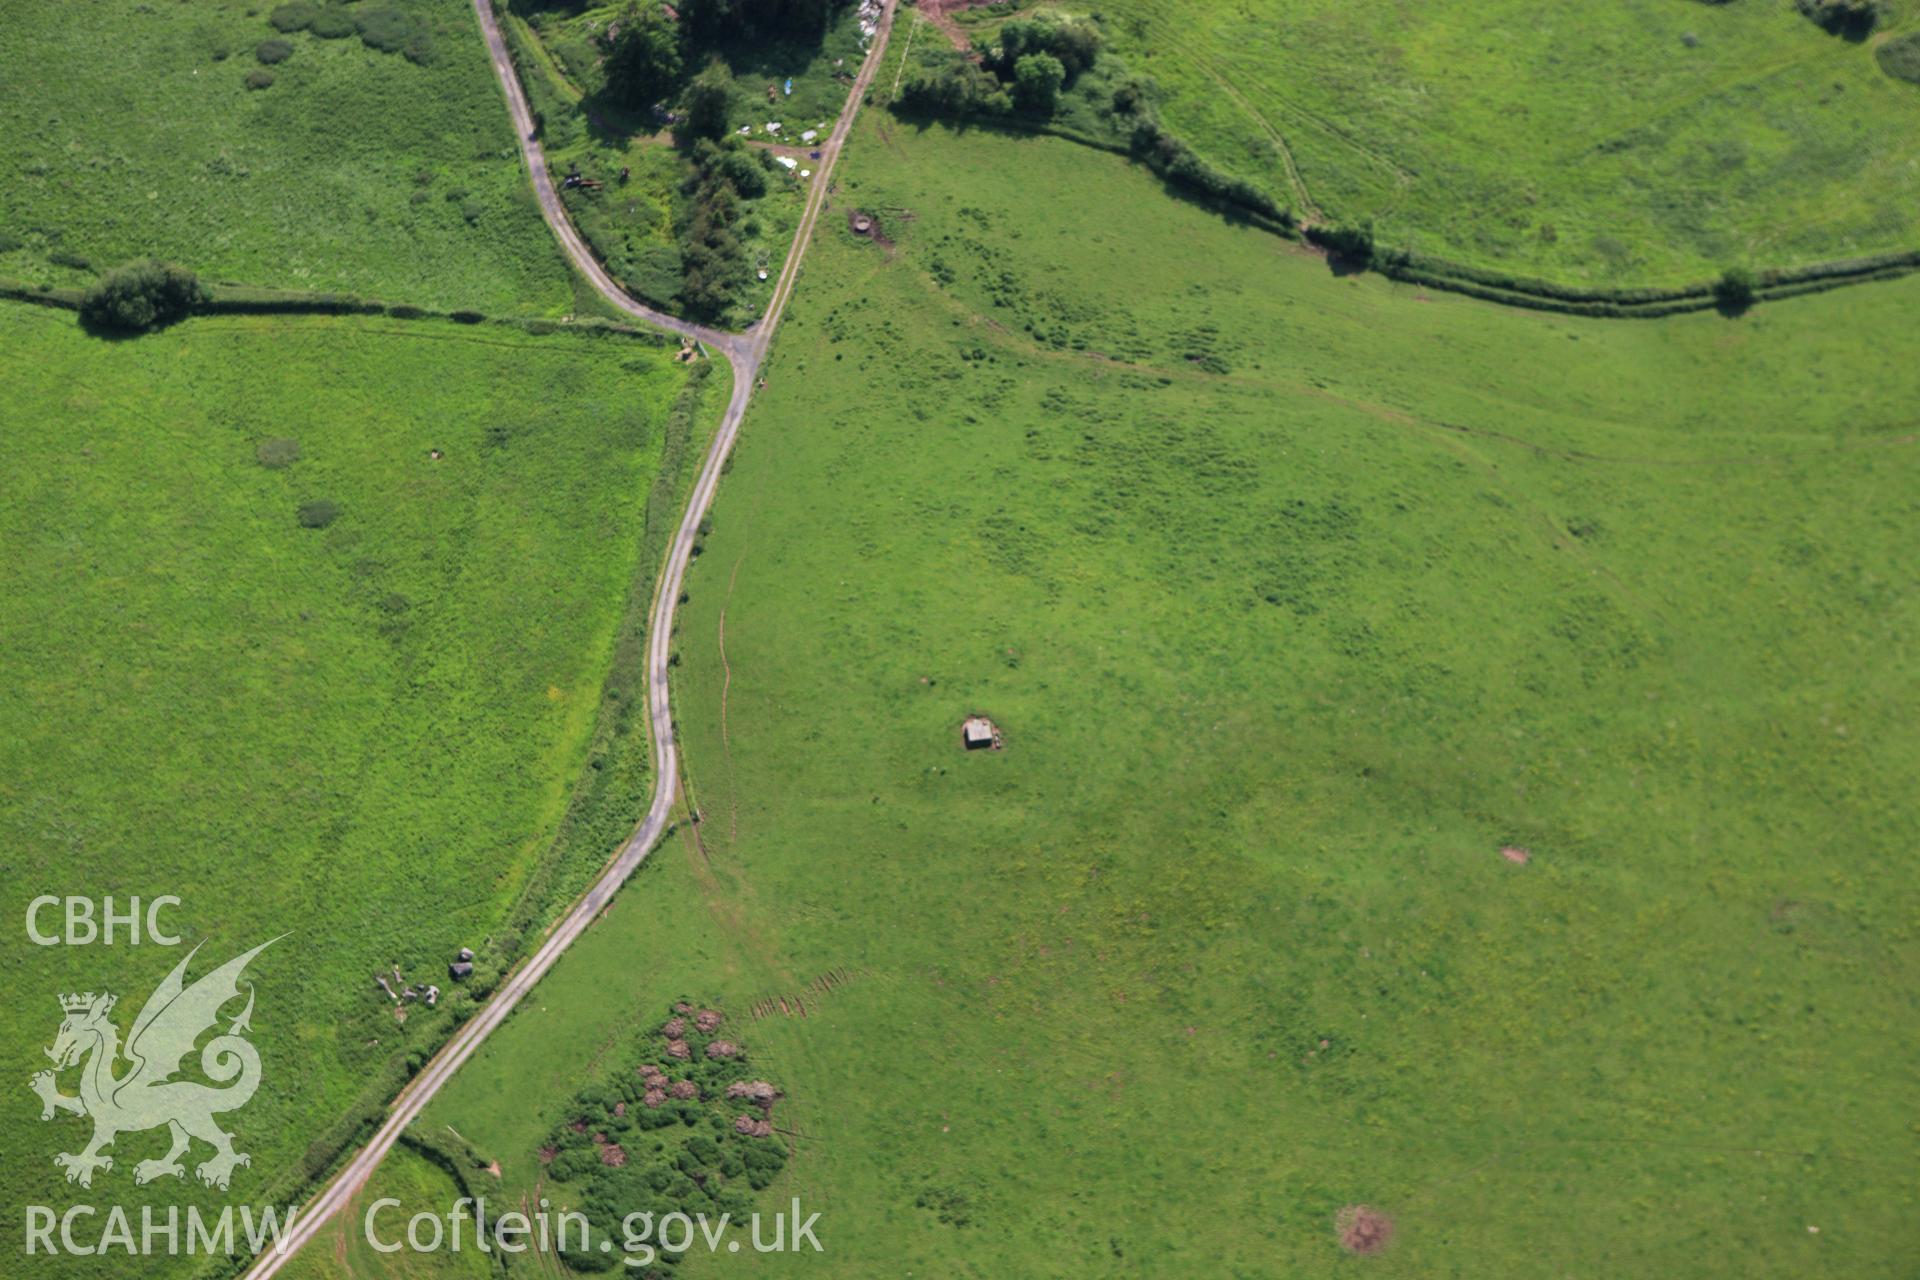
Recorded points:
(277, 452)
(272, 51)
(1901, 58)
(385, 29)
(332, 24)
(392, 30)
(259, 78)
(141, 296)
(293, 17)
(318, 515)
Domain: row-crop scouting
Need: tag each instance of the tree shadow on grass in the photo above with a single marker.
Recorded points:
(764, 59)
(527, 8)
(115, 333)
(105, 334)
(612, 123)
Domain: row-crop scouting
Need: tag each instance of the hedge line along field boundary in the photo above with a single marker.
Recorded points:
(1628, 303)
(1769, 285)
(234, 299)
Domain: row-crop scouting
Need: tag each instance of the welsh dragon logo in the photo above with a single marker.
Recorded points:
(147, 1096)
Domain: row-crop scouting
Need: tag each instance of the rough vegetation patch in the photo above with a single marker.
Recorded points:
(701, 1141)
(1900, 58)
(277, 452)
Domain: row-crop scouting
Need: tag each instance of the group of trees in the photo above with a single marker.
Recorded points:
(649, 52)
(708, 102)
(707, 266)
(1039, 57)
(724, 173)
(1074, 44)
(712, 262)
(141, 296)
(957, 89)
(714, 21)
(1032, 61)
(644, 61)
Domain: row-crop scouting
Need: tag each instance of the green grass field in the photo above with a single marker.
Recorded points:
(133, 134)
(1648, 142)
(1297, 598)
(366, 735)
(1456, 760)
(420, 1188)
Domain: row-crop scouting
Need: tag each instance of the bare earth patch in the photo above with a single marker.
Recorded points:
(752, 1090)
(1363, 1229)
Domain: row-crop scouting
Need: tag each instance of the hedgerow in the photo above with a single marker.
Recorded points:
(1727, 291)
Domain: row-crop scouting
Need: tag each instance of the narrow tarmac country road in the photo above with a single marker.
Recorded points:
(743, 352)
